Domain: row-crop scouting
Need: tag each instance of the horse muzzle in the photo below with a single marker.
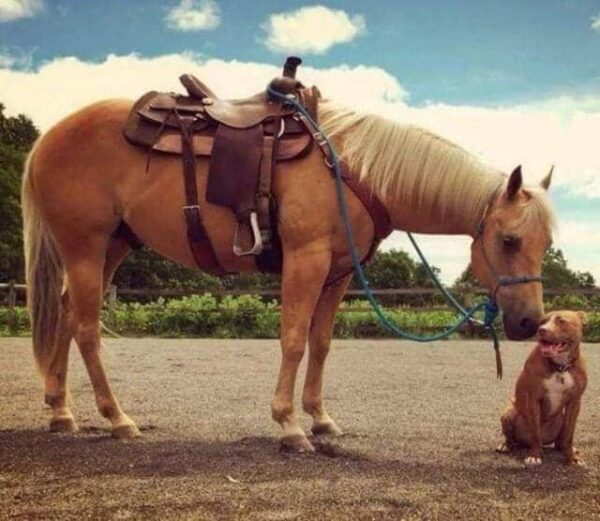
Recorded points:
(521, 326)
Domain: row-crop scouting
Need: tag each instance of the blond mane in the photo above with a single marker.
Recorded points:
(406, 163)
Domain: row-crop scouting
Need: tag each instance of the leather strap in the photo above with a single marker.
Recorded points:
(200, 245)
(263, 199)
(381, 218)
(378, 212)
(270, 260)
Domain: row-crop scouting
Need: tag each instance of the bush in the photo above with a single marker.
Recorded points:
(248, 316)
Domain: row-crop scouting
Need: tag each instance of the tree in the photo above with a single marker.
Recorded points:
(17, 135)
(555, 271)
(146, 269)
(396, 269)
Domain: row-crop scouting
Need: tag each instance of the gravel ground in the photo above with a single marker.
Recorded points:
(421, 423)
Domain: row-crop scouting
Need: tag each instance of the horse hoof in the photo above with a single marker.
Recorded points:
(125, 432)
(296, 443)
(326, 429)
(63, 424)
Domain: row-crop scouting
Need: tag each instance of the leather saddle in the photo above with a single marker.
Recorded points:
(244, 140)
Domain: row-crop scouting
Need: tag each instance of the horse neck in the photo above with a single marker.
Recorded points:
(427, 213)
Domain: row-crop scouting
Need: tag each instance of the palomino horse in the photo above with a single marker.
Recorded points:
(83, 179)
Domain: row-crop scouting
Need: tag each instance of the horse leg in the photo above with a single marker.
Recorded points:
(85, 281)
(321, 331)
(57, 395)
(118, 249)
(303, 277)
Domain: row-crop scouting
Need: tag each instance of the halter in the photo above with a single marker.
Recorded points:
(500, 280)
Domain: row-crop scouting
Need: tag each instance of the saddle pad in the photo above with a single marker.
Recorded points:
(234, 169)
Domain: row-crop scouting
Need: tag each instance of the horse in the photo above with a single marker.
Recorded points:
(82, 179)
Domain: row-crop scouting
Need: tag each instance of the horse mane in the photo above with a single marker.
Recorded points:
(405, 163)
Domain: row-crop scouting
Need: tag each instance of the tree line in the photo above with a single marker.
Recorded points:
(146, 269)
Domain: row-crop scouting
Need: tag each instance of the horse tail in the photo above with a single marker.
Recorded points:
(44, 275)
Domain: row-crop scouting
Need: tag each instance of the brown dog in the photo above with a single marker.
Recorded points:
(548, 392)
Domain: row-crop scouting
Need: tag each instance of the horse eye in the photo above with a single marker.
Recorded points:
(510, 243)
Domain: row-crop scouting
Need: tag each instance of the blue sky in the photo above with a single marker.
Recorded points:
(483, 52)
(512, 80)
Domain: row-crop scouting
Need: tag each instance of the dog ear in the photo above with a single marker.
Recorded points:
(583, 317)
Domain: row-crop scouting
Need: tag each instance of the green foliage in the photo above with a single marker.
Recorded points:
(14, 321)
(557, 273)
(395, 269)
(250, 317)
(17, 134)
(146, 269)
(246, 316)
(573, 302)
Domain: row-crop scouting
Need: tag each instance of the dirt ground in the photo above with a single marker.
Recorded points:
(421, 423)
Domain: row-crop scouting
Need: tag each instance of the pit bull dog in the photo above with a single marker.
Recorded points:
(548, 391)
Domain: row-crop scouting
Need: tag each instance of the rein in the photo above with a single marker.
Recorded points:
(489, 307)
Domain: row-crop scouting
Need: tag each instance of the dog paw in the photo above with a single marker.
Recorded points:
(503, 448)
(531, 461)
(576, 461)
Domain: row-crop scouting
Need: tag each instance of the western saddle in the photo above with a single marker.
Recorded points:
(244, 140)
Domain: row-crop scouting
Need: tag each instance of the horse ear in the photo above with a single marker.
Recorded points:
(545, 183)
(515, 181)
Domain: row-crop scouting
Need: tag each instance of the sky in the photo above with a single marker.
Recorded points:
(514, 82)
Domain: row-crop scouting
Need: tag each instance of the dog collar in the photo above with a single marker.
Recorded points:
(560, 367)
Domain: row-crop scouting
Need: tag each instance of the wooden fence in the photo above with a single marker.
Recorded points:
(13, 290)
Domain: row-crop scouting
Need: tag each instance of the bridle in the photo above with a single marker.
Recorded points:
(500, 281)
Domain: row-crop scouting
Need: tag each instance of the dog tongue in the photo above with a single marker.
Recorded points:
(549, 349)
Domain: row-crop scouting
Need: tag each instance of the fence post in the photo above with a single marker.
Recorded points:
(11, 301)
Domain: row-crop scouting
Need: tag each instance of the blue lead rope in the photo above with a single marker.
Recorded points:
(489, 307)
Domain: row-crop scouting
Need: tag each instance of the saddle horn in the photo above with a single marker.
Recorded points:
(290, 66)
(288, 84)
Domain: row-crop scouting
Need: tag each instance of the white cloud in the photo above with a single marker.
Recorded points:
(536, 136)
(58, 87)
(15, 9)
(560, 130)
(193, 15)
(596, 23)
(13, 57)
(311, 29)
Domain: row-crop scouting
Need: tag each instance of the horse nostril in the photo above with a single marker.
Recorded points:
(527, 325)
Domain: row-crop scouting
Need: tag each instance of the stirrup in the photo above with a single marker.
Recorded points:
(258, 242)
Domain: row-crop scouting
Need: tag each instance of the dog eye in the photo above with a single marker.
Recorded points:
(511, 243)
(560, 320)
